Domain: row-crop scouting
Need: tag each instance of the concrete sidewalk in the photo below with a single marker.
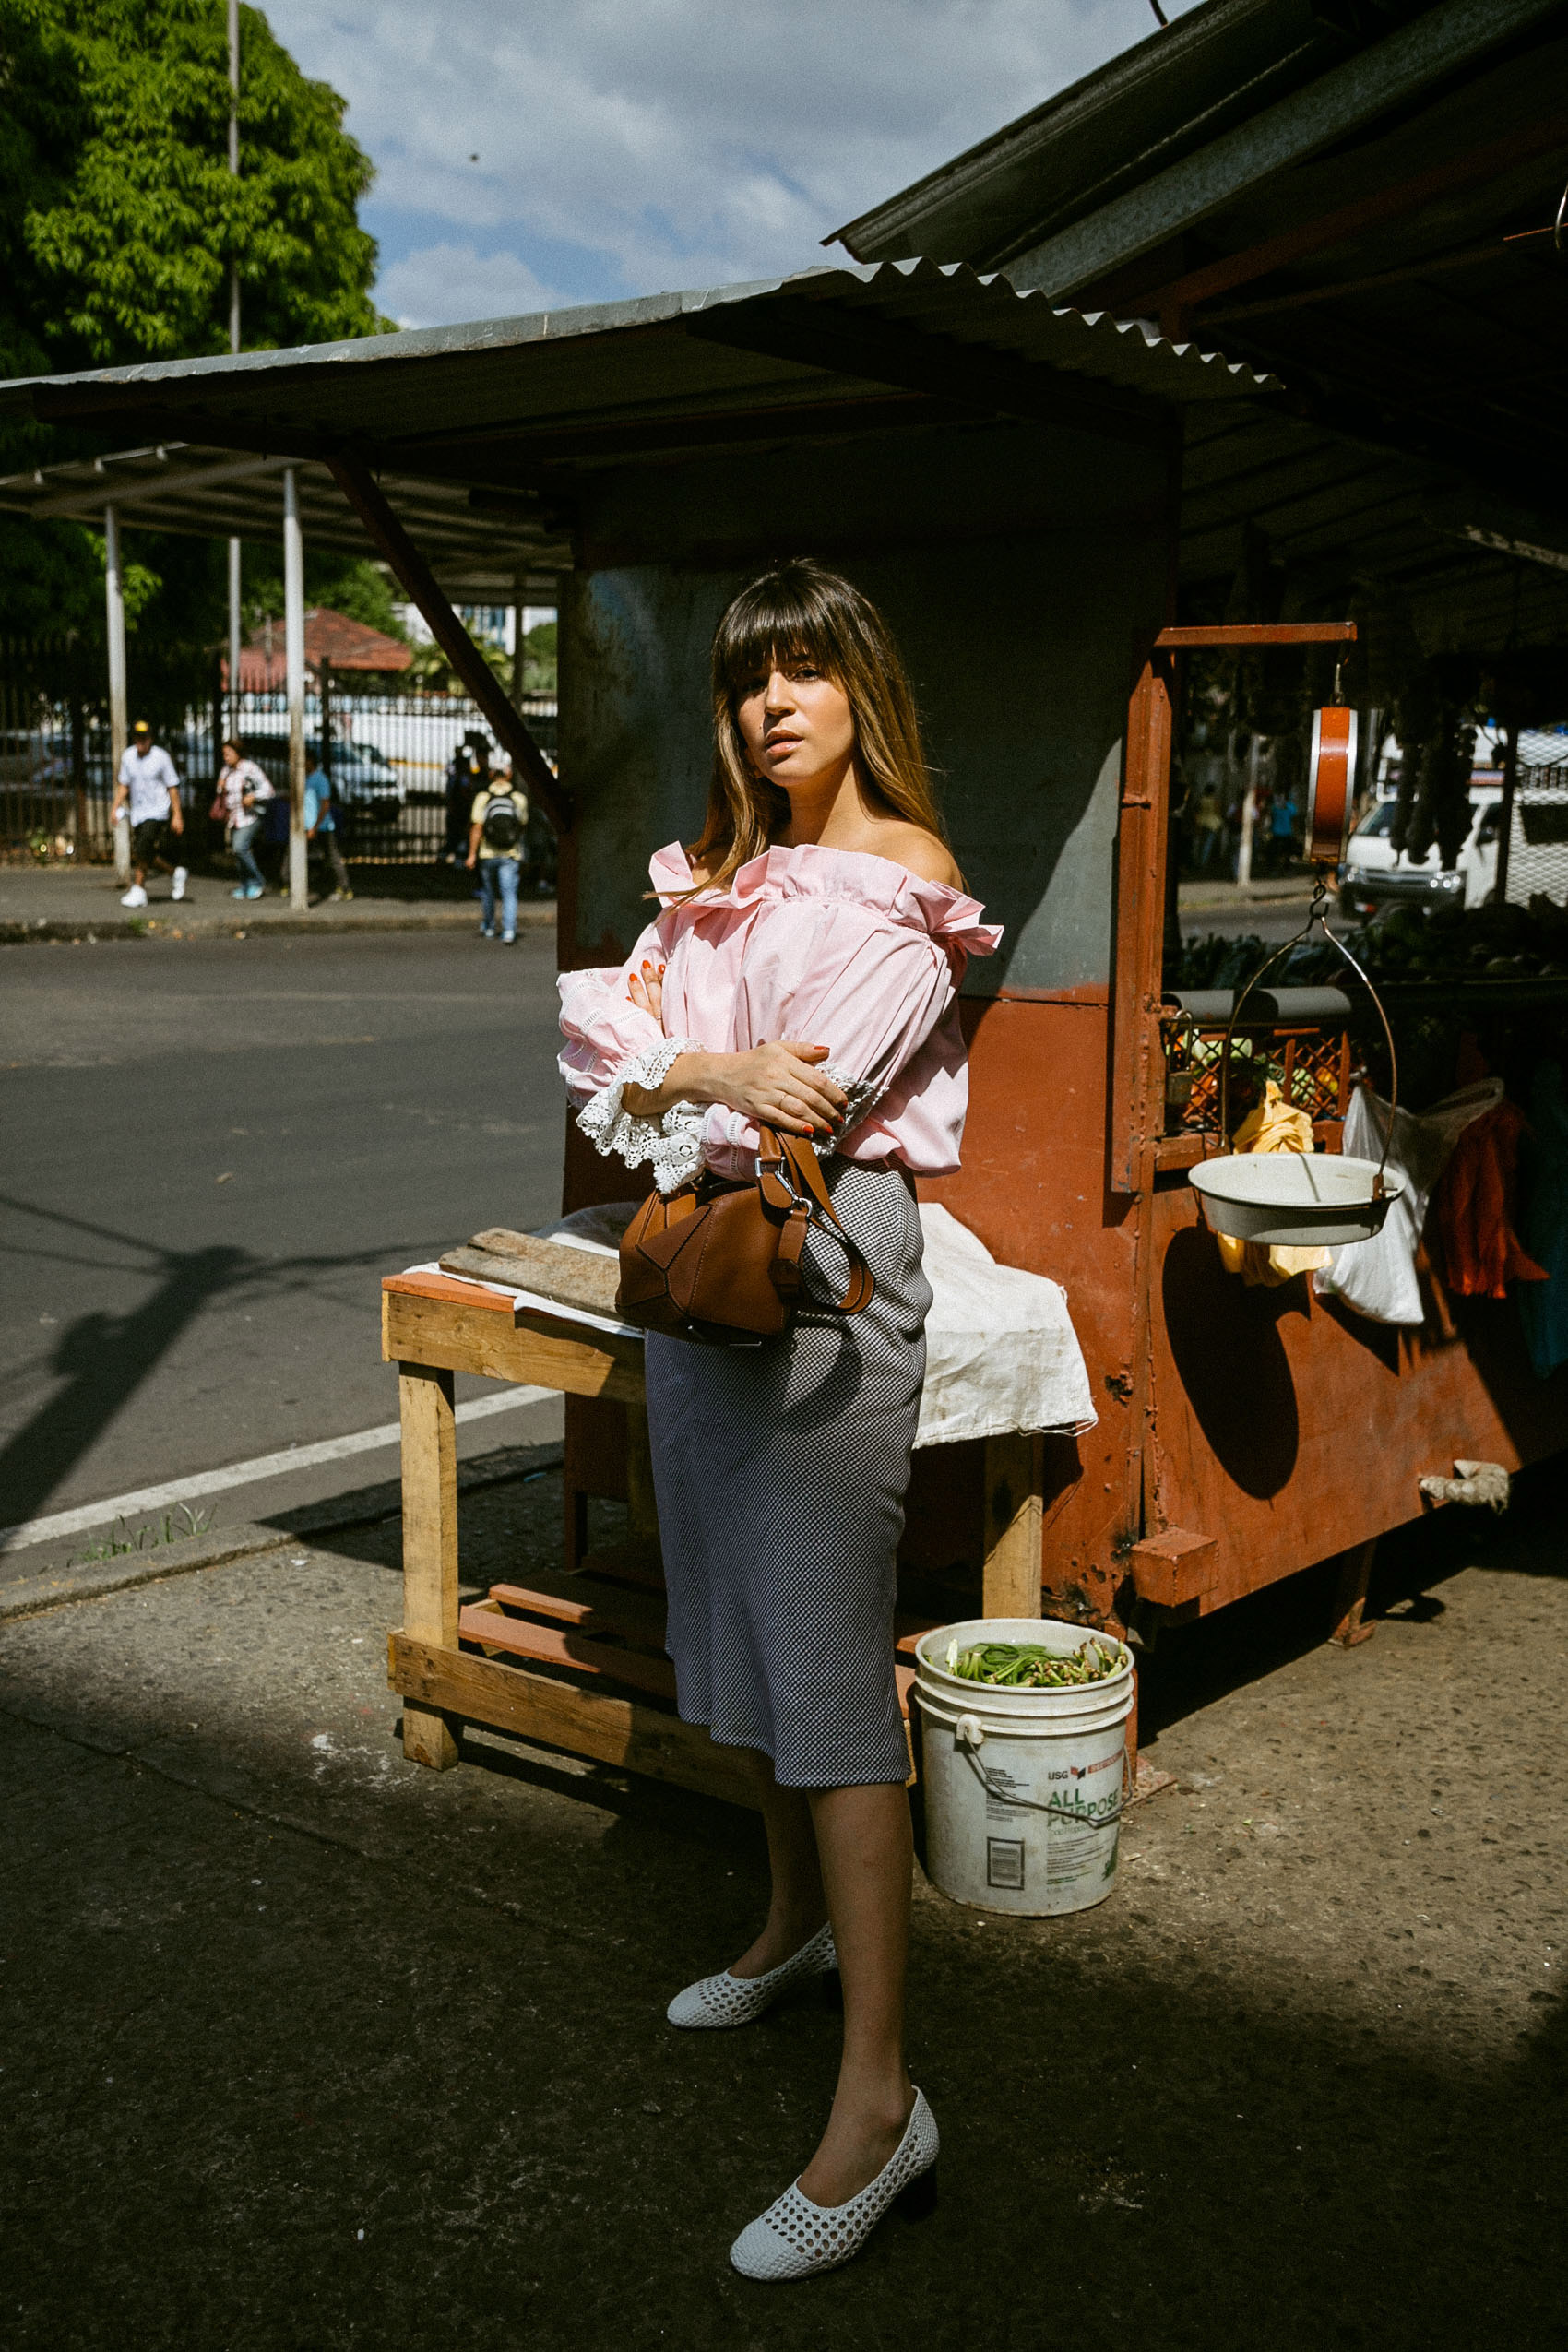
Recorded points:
(307, 2050)
(54, 902)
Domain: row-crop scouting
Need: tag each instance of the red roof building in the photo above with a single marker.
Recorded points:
(330, 637)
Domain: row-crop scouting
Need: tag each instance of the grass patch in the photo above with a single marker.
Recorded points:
(175, 1527)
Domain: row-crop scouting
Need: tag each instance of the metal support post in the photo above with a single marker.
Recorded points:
(294, 673)
(1505, 810)
(233, 346)
(118, 728)
(232, 722)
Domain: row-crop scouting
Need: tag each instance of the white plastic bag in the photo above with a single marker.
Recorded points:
(1378, 1278)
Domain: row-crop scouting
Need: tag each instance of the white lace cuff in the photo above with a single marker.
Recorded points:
(864, 1096)
(673, 1143)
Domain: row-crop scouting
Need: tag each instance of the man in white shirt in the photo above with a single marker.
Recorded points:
(148, 793)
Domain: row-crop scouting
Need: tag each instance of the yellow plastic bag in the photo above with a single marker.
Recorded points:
(1274, 1125)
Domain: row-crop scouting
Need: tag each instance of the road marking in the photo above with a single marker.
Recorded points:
(266, 1465)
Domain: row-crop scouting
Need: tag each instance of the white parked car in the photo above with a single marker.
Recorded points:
(1375, 875)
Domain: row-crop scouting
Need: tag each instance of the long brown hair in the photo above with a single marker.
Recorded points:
(802, 612)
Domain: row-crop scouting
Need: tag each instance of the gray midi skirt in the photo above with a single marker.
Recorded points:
(780, 1472)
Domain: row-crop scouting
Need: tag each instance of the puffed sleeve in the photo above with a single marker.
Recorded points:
(872, 991)
(611, 1043)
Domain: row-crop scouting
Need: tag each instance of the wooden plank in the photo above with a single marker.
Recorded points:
(444, 1286)
(549, 1646)
(553, 1269)
(533, 1350)
(1137, 1063)
(1247, 632)
(637, 1561)
(642, 1503)
(586, 1722)
(907, 1631)
(1014, 1477)
(600, 1609)
(430, 1539)
(1174, 1568)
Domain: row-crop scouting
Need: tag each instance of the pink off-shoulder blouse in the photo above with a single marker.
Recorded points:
(829, 948)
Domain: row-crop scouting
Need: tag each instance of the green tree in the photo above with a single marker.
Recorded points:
(119, 221)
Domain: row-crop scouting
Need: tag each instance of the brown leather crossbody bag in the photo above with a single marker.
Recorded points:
(720, 1262)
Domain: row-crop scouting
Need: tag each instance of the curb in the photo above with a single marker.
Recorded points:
(57, 1587)
(538, 915)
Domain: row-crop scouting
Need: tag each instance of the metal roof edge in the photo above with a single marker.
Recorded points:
(820, 282)
(1387, 72)
(1146, 61)
(428, 342)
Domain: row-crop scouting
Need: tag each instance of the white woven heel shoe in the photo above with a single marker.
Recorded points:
(725, 2000)
(794, 2239)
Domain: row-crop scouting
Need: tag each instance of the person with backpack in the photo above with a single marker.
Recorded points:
(497, 825)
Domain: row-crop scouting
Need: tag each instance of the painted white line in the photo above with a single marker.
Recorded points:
(266, 1465)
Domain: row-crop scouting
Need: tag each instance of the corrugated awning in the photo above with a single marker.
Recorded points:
(518, 403)
(209, 493)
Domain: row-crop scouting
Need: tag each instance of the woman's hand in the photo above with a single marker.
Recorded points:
(779, 1085)
(645, 988)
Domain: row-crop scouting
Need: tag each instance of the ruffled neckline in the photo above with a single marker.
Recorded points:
(856, 877)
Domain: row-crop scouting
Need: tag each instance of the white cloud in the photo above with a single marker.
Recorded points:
(439, 284)
(629, 146)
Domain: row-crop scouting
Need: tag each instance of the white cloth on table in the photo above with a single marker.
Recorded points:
(1001, 1355)
(1378, 1278)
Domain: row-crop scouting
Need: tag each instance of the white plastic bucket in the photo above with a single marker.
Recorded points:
(1023, 1788)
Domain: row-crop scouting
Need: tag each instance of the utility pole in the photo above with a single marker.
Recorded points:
(114, 594)
(233, 346)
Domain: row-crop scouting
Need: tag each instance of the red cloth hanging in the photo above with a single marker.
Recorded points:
(1475, 1204)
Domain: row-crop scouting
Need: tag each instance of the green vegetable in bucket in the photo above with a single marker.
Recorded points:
(1029, 1666)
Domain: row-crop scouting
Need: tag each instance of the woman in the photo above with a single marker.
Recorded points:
(803, 974)
(245, 792)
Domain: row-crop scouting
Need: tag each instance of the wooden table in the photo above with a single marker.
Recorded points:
(603, 1623)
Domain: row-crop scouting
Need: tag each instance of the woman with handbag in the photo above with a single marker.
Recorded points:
(802, 978)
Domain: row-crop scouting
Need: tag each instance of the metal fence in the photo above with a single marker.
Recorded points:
(1537, 851)
(399, 782)
(403, 793)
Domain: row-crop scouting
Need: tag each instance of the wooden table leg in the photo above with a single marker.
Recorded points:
(642, 1508)
(1350, 1595)
(1015, 1481)
(429, 1540)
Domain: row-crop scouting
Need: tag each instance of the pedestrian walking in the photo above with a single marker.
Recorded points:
(467, 771)
(498, 818)
(246, 790)
(1209, 829)
(321, 827)
(804, 975)
(147, 797)
(1282, 830)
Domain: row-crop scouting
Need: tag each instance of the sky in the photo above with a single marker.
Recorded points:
(556, 151)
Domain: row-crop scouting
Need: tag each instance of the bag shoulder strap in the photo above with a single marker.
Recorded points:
(790, 1152)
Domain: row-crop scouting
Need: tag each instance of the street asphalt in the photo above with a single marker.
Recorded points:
(213, 1151)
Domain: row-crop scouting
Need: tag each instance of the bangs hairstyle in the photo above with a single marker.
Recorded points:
(802, 614)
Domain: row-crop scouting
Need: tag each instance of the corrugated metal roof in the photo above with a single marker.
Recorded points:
(478, 402)
(209, 493)
(1171, 94)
